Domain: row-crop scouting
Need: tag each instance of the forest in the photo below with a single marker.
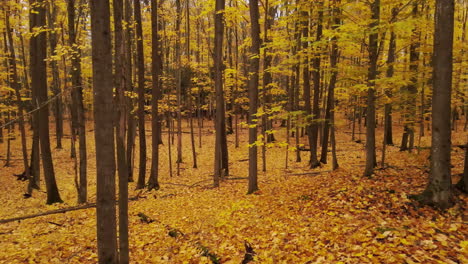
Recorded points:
(233, 131)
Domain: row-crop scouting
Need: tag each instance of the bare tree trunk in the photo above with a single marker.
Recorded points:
(178, 79)
(439, 189)
(253, 94)
(38, 52)
(372, 75)
(104, 131)
(131, 124)
(220, 167)
(192, 136)
(330, 113)
(57, 105)
(77, 101)
(388, 138)
(156, 71)
(140, 64)
(119, 79)
(14, 82)
(313, 137)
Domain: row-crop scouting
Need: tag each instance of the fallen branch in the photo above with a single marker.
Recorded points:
(58, 211)
(308, 173)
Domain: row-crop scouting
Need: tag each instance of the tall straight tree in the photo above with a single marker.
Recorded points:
(14, 82)
(53, 41)
(77, 101)
(253, 93)
(372, 75)
(156, 69)
(38, 52)
(104, 131)
(131, 124)
(313, 137)
(119, 78)
(140, 64)
(221, 155)
(304, 16)
(439, 190)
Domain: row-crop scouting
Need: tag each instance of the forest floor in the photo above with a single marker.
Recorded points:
(321, 217)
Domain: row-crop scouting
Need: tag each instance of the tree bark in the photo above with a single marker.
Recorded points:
(77, 101)
(57, 105)
(253, 94)
(372, 76)
(14, 82)
(140, 64)
(156, 71)
(220, 166)
(313, 130)
(439, 192)
(120, 83)
(38, 51)
(104, 131)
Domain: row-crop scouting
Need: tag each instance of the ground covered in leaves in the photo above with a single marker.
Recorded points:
(298, 216)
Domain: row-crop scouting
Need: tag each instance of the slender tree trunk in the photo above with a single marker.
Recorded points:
(140, 64)
(253, 94)
(220, 167)
(14, 82)
(156, 71)
(57, 105)
(388, 137)
(439, 189)
(372, 76)
(104, 131)
(330, 113)
(77, 102)
(131, 124)
(38, 51)
(119, 79)
(316, 110)
(178, 79)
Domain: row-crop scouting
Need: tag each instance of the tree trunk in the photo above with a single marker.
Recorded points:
(38, 51)
(140, 64)
(77, 101)
(57, 105)
(439, 189)
(178, 78)
(156, 71)
(372, 76)
(220, 166)
(253, 94)
(14, 83)
(104, 131)
(119, 78)
(388, 137)
(313, 136)
(131, 124)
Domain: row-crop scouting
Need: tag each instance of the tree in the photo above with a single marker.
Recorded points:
(253, 93)
(38, 52)
(372, 76)
(120, 83)
(220, 161)
(14, 81)
(53, 41)
(313, 130)
(140, 64)
(156, 70)
(439, 189)
(79, 119)
(104, 131)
